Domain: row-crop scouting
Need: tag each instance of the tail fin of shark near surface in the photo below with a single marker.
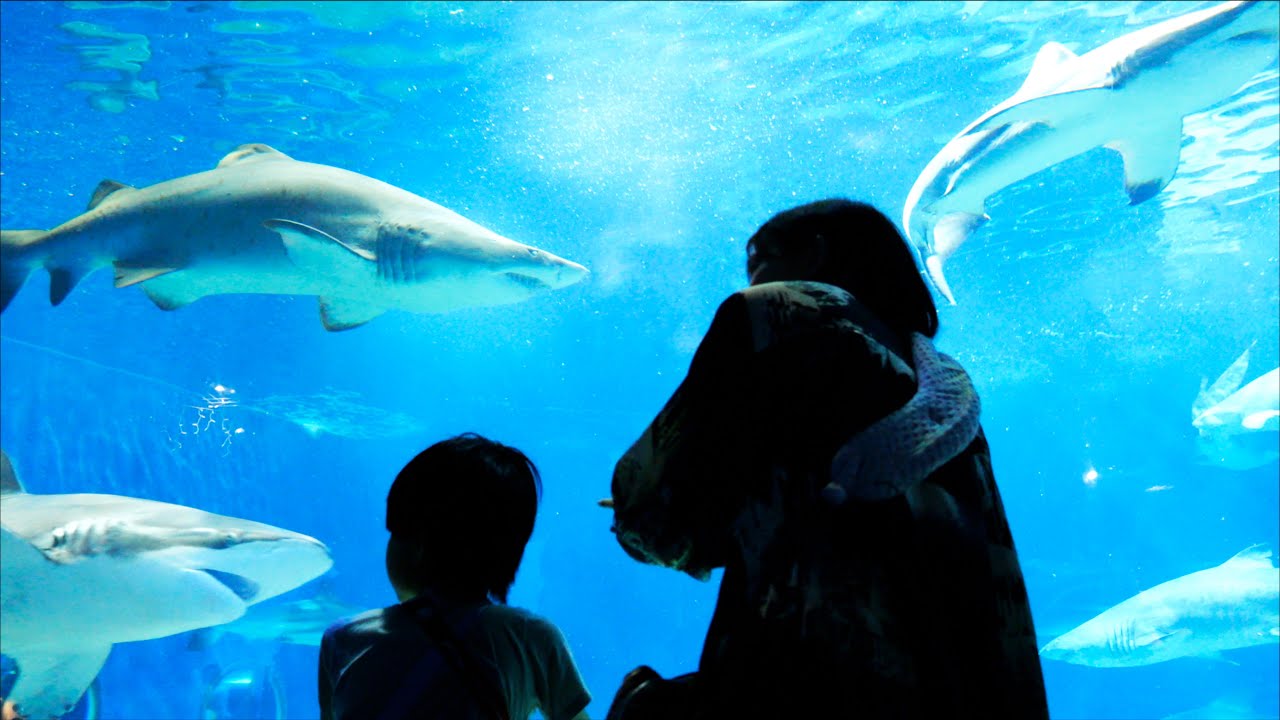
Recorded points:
(1129, 95)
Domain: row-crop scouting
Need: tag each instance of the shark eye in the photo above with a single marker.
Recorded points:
(533, 252)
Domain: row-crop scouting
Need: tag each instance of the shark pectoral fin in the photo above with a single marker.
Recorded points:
(1150, 158)
(251, 152)
(315, 249)
(1265, 420)
(1054, 110)
(109, 189)
(49, 684)
(1154, 636)
(1219, 657)
(127, 275)
(344, 314)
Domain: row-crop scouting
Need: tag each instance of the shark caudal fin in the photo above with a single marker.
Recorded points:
(20, 253)
(17, 260)
(948, 234)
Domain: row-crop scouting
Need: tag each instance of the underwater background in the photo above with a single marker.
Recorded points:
(646, 141)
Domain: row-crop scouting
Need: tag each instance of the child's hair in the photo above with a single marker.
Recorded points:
(471, 503)
(865, 255)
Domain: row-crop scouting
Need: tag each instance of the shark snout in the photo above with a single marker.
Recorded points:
(570, 273)
(271, 564)
(545, 271)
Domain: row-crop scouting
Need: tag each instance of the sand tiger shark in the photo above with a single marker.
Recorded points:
(1233, 605)
(1239, 426)
(262, 222)
(297, 622)
(1129, 95)
(81, 572)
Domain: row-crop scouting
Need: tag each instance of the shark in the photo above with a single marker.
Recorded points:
(82, 572)
(1129, 95)
(262, 222)
(297, 622)
(1239, 427)
(1233, 605)
(1234, 706)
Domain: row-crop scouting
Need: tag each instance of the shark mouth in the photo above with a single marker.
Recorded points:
(527, 281)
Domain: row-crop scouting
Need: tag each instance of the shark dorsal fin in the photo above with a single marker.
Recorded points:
(1260, 554)
(1228, 382)
(9, 482)
(106, 189)
(252, 152)
(1046, 69)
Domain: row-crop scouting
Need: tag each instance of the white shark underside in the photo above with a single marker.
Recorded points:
(1129, 94)
(81, 572)
(1233, 605)
(261, 222)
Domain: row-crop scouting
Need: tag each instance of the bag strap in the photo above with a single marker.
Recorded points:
(444, 627)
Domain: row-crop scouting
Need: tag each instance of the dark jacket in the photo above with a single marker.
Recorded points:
(909, 607)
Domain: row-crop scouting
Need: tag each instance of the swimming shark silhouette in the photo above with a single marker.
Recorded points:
(1129, 94)
(298, 622)
(1233, 605)
(262, 222)
(1239, 426)
(81, 572)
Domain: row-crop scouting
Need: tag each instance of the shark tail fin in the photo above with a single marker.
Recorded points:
(18, 257)
(948, 234)
(933, 264)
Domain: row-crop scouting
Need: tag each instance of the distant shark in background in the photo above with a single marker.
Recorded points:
(1233, 605)
(1239, 426)
(262, 222)
(80, 572)
(299, 622)
(1228, 707)
(1129, 94)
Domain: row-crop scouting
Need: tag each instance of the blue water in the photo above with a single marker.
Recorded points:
(646, 141)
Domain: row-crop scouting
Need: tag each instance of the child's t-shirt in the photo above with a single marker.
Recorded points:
(365, 661)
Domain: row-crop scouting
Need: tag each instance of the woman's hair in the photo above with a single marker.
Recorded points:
(865, 256)
(471, 503)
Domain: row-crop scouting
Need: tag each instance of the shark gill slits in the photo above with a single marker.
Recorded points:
(243, 587)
